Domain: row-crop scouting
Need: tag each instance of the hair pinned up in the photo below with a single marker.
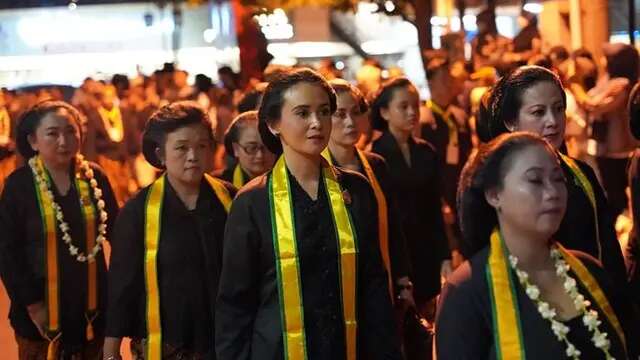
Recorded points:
(272, 102)
(30, 120)
(506, 96)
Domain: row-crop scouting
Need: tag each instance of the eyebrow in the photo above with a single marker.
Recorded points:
(305, 106)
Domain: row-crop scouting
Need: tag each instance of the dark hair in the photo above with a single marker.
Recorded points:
(383, 97)
(634, 111)
(541, 60)
(251, 99)
(30, 120)
(168, 119)
(483, 118)
(233, 131)
(505, 101)
(270, 110)
(486, 170)
(343, 86)
(582, 52)
(622, 61)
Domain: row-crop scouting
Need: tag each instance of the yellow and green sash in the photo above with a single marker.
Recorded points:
(287, 260)
(383, 225)
(238, 177)
(581, 180)
(52, 291)
(507, 330)
(446, 116)
(152, 230)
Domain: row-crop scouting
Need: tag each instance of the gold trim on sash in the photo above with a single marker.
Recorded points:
(221, 191)
(89, 213)
(238, 177)
(505, 311)
(506, 319)
(112, 122)
(585, 184)
(446, 116)
(287, 260)
(591, 284)
(383, 224)
(153, 228)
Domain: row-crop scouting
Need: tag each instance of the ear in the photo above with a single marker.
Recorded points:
(493, 198)
(384, 112)
(275, 128)
(31, 138)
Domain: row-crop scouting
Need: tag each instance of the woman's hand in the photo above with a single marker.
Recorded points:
(38, 314)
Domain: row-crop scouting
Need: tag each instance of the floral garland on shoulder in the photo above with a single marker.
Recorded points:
(589, 316)
(45, 187)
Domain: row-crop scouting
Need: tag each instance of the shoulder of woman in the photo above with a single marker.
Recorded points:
(229, 186)
(470, 275)
(19, 177)
(255, 187)
(351, 179)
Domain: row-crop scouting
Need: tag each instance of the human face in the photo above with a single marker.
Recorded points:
(347, 123)
(188, 154)
(403, 110)
(253, 156)
(56, 138)
(533, 197)
(543, 112)
(305, 121)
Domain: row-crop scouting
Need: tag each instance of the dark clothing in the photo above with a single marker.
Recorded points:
(465, 324)
(97, 140)
(438, 136)
(248, 315)
(397, 243)
(417, 192)
(633, 248)
(188, 262)
(37, 350)
(614, 181)
(577, 230)
(23, 257)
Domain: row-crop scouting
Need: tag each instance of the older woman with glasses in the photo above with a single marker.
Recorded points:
(243, 142)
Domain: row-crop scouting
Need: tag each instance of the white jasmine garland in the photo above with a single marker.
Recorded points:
(560, 330)
(45, 187)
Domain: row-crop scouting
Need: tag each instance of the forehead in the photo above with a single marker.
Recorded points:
(532, 156)
(346, 98)
(192, 132)
(541, 92)
(59, 117)
(305, 93)
(404, 93)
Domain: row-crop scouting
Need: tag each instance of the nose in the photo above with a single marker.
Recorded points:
(316, 123)
(412, 110)
(554, 191)
(191, 155)
(62, 140)
(553, 119)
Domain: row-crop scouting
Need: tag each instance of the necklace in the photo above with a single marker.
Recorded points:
(44, 184)
(560, 330)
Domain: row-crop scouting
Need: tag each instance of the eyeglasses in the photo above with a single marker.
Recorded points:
(252, 149)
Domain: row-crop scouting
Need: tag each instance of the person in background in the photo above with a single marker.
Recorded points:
(632, 251)
(243, 142)
(608, 110)
(449, 133)
(415, 179)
